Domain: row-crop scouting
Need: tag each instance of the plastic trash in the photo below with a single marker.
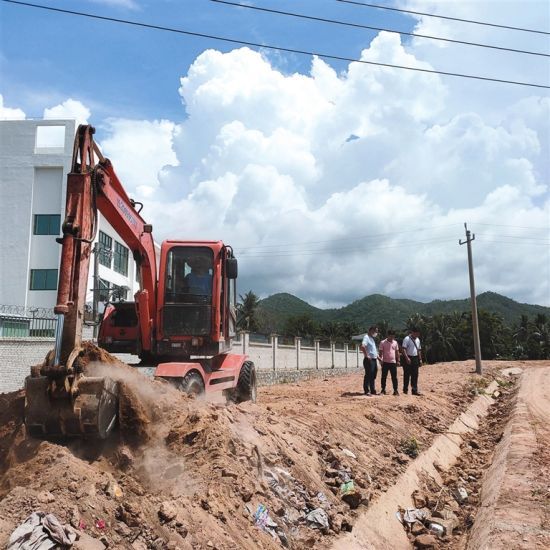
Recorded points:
(410, 515)
(436, 529)
(347, 487)
(317, 519)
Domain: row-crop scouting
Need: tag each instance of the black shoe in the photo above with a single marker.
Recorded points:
(383, 392)
(405, 391)
(395, 392)
(416, 393)
(367, 393)
(373, 393)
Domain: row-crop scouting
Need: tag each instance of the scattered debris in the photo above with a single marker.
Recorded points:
(318, 519)
(461, 495)
(41, 531)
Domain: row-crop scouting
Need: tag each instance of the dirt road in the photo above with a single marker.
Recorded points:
(192, 474)
(515, 498)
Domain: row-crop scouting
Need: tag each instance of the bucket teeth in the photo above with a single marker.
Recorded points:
(90, 411)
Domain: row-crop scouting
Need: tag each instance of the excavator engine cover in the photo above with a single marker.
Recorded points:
(90, 410)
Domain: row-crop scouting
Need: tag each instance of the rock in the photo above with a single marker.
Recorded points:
(45, 497)
(229, 473)
(122, 529)
(74, 518)
(419, 499)
(113, 490)
(139, 545)
(401, 458)
(474, 444)
(449, 525)
(352, 499)
(425, 541)
(417, 529)
(85, 542)
(336, 522)
(331, 472)
(124, 457)
(73, 486)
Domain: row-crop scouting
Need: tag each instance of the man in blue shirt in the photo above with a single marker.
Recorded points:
(199, 281)
(370, 361)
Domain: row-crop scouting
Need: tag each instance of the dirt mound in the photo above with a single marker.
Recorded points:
(293, 470)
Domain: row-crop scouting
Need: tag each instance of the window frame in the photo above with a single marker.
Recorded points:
(106, 249)
(47, 283)
(120, 258)
(53, 224)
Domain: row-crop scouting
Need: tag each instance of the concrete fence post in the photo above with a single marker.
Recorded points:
(298, 344)
(245, 340)
(357, 355)
(346, 355)
(317, 344)
(274, 346)
(332, 353)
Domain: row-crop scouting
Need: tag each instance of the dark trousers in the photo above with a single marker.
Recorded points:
(392, 369)
(371, 370)
(410, 372)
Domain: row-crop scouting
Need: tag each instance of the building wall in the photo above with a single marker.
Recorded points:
(29, 164)
(35, 158)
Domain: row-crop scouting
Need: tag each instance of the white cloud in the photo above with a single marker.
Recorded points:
(127, 4)
(335, 185)
(69, 109)
(7, 113)
(266, 164)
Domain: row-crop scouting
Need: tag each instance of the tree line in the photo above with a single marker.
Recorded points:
(445, 337)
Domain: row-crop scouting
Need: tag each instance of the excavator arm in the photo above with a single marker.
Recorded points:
(61, 398)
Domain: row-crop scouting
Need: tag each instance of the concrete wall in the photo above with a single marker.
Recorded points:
(17, 355)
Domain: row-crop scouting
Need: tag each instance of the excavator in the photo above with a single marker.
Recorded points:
(183, 319)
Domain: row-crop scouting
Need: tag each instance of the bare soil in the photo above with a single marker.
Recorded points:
(185, 473)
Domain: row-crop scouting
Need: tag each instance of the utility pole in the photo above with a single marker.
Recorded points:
(475, 324)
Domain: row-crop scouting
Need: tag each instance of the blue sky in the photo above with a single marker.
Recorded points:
(223, 142)
(124, 70)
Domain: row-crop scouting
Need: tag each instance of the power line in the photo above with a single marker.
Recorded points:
(270, 47)
(521, 237)
(546, 228)
(355, 237)
(449, 18)
(360, 26)
(308, 252)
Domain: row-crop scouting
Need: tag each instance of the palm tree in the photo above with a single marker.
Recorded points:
(247, 311)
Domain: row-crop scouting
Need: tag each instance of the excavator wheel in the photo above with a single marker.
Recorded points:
(247, 384)
(192, 384)
(90, 413)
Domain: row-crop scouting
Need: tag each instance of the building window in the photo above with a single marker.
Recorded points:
(106, 245)
(43, 279)
(121, 259)
(46, 224)
(103, 291)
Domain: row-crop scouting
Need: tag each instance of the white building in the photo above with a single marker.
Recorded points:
(35, 157)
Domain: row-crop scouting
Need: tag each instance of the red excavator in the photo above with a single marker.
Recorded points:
(183, 321)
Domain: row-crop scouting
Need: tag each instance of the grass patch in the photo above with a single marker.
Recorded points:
(410, 447)
(477, 385)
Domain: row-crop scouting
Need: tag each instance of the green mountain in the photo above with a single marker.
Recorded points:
(275, 309)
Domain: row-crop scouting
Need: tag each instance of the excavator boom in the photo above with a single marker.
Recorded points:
(62, 399)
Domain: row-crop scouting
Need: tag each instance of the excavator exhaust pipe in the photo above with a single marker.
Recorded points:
(89, 408)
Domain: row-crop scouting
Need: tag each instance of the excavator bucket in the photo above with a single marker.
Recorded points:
(88, 410)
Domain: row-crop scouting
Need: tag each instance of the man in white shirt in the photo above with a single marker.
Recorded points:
(413, 360)
(370, 361)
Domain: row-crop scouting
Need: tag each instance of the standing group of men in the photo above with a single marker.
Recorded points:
(391, 355)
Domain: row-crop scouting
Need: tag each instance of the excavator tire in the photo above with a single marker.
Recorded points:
(192, 384)
(247, 384)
